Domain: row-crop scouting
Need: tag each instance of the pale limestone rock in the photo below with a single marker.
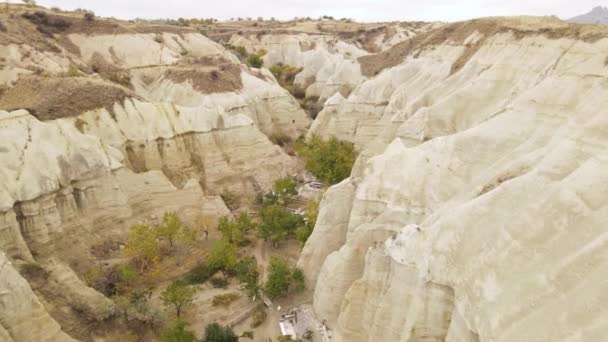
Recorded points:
(328, 65)
(478, 211)
(22, 316)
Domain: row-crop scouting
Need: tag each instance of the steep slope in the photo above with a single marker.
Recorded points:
(475, 212)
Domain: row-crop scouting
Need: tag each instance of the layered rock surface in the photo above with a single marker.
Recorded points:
(476, 210)
(103, 125)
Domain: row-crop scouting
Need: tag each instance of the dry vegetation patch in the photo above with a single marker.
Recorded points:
(49, 98)
(208, 79)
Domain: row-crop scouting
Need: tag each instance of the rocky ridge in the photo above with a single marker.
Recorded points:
(474, 212)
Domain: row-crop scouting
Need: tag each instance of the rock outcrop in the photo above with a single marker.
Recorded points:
(107, 124)
(476, 208)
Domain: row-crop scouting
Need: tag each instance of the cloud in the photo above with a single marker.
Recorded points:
(363, 10)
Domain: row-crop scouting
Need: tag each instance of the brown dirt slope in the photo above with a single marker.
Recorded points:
(207, 76)
(49, 98)
(457, 33)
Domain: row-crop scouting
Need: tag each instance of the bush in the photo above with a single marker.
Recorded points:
(89, 15)
(279, 278)
(331, 161)
(248, 275)
(2, 27)
(282, 279)
(216, 333)
(259, 317)
(255, 61)
(200, 274)
(304, 232)
(219, 282)
(280, 139)
(223, 257)
(120, 77)
(224, 299)
(46, 24)
(230, 199)
(247, 334)
(298, 282)
(31, 270)
(177, 333)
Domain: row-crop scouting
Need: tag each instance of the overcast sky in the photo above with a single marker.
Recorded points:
(362, 10)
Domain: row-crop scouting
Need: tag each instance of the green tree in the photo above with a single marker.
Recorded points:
(177, 332)
(277, 223)
(248, 275)
(235, 230)
(223, 257)
(329, 160)
(179, 295)
(216, 333)
(279, 278)
(171, 227)
(142, 246)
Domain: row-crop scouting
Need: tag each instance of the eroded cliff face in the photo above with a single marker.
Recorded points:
(476, 210)
(105, 125)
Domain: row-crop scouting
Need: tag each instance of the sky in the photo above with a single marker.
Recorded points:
(360, 10)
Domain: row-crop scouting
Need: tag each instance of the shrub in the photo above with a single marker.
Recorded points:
(247, 334)
(280, 139)
(331, 160)
(120, 77)
(248, 275)
(47, 24)
(137, 308)
(2, 27)
(177, 332)
(219, 282)
(200, 274)
(279, 278)
(32, 270)
(282, 279)
(230, 199)
(304, 232)
(241, 51)
(259, 317)
(224, 299)
(298, 283)
(216, 333)
(89, 15)
(71, 72)
(223, 257)
(255, 61)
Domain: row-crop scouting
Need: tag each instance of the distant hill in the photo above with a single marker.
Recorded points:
(598, 15)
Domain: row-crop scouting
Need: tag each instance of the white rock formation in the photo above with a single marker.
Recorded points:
(477, 211)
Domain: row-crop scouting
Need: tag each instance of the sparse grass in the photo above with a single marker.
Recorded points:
(225, 299)
(259, 317)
